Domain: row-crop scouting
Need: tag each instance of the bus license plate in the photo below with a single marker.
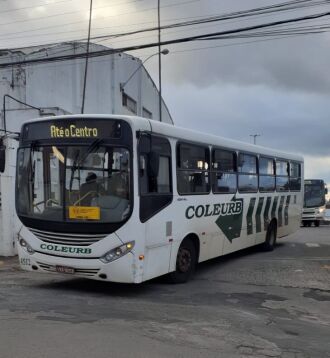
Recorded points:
(64, 269)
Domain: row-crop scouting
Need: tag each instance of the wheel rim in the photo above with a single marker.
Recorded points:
(184, 260)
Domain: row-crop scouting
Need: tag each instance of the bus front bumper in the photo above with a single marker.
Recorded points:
(121, 270)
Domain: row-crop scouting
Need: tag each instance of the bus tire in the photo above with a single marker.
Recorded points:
(316, 223)
(270, 241)
(309, 224)
(186, 261)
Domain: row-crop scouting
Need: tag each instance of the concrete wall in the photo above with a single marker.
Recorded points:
(9, 222)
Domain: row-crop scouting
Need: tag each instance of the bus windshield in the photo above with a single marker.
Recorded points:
(314, 195)
(85, 183)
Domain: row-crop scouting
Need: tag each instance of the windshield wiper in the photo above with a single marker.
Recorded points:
(77, 163)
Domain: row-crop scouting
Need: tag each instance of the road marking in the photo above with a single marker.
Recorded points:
(311, 244)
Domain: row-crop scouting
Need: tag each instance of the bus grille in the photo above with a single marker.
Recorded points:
(77, 271)
(309, 211)
(67, 238)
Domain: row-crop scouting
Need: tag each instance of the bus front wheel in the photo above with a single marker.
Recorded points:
(316, 223)
(186, 261)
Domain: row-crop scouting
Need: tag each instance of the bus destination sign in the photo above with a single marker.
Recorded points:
(73, 129)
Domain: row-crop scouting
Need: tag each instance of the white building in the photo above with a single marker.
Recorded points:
(34, 90)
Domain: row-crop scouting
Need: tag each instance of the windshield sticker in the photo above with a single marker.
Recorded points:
(84, 212)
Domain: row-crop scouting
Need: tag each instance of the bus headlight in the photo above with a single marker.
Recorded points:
(321, 210)
(26, 246)
(118, 252)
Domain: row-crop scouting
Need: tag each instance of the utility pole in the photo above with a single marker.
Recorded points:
(159, 66)
(87, 53)
(254, 137)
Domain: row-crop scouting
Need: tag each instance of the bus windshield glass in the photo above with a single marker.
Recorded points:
(314, 195)
(83, 183)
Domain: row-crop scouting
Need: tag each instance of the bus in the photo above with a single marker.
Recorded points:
(126, 199)
(314, 202)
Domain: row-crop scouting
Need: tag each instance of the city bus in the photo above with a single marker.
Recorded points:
(314, 202)
(126, 199)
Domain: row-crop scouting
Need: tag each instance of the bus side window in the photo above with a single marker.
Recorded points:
(266, 174)
(295, 176)
(247, 173)
(282, 175)
(155, 175)
(224, 171)
(193, 165)
(152, 179)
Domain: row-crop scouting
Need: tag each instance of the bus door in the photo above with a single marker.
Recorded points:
(156, 195)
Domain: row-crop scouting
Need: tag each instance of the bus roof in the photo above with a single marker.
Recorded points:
(144, 124)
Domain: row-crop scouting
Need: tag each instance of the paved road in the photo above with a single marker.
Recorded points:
(249, 304)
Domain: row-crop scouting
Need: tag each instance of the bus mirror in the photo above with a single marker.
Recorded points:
(2, 158)
(326, 191)
(153, 164)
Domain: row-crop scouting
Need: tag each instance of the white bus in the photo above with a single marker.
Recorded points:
(314, 202)
(127, 199)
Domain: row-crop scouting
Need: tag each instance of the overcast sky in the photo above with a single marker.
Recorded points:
(278, 88)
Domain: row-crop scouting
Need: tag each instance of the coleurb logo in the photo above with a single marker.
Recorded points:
(230, 216)
(66, 249)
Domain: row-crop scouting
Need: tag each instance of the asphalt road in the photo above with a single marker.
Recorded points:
(249, 304)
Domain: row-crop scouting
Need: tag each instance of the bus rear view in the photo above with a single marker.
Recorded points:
(314, 202)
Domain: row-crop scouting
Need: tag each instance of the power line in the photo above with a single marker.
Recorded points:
(100, 7)
(214, 35)
(34, 6)
(293, 5)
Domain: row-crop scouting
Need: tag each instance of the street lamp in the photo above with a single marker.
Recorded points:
(254, 137)
(123, 84)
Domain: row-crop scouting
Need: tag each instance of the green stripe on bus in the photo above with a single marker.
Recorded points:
(286, 210)
(273, 214)
(280, 211)
(266, 213)
(258, 214)
(249, 221)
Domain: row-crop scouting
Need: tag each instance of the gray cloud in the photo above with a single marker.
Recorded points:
(293, 122)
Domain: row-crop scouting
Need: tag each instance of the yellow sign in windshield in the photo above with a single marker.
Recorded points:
(84, 212)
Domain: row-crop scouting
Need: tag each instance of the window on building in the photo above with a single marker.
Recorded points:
(224, 176)
(146, 113)
(282, 175)
(129, 103)
(266, 174)
(193, 164)
(295, 176)
(247, 173)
